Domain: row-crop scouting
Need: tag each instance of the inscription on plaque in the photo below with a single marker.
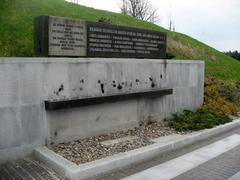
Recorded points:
(55, 36)
(118, 41)
(67, 37)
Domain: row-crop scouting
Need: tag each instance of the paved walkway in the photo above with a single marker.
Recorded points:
(235, 176)
(221, 167)
(219, 160)
(27, 169)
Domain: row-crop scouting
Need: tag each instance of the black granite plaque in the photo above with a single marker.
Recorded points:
(105, 40)
(57, 36)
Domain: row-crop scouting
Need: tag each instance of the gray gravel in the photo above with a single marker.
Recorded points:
(90, 149)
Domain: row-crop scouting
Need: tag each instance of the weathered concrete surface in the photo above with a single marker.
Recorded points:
(27, 82)
(91, 78)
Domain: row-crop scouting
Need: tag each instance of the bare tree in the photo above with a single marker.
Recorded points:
(141, 9)
(74, 1)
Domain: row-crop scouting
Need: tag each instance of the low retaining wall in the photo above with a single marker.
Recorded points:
(25, 83)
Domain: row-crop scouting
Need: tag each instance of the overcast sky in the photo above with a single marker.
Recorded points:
(215, 22)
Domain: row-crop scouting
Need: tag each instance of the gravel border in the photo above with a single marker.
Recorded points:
(90, 149)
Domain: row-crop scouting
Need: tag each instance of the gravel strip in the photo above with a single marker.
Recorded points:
(90, 149)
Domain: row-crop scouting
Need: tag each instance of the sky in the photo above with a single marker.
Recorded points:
(214, 22)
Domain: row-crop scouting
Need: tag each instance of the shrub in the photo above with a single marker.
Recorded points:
(219, 97)
(220, 100)
(169, 56)
(203, 118)
(231, 92)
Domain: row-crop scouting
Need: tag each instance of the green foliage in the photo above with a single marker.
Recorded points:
(170, 56)
(231, 92)
(220, 100)
(193, 121)
(233, 54)
(16, 29)
(217, 97)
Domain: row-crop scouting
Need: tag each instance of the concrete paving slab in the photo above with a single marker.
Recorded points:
(166, 139)
(119, 140)
(28, 168)
(235, 177)
(186, 162)
(221, 167)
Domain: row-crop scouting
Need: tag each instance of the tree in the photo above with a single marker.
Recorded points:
(74, 1)
(140, 9)
(233, 54)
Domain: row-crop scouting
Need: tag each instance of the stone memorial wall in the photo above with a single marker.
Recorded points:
(56, 36)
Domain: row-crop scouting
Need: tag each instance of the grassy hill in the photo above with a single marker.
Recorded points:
(16, 33)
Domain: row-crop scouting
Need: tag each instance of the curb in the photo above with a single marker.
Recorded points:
(69, 170)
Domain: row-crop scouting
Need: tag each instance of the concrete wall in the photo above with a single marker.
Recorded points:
(26, 82)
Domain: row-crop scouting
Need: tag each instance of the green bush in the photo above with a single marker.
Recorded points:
(221, 97)
(231, 92)
(238, 84)
(193, 121)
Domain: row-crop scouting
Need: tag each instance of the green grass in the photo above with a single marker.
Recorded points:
(16, 33)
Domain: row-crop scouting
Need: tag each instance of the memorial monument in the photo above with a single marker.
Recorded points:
(58, 37)
(54, 98)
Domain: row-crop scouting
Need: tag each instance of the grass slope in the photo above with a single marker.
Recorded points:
(16, 33)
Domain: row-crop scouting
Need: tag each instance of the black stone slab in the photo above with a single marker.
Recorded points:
(64, 37)
(56, 105)
(105, 40)
(41, 36)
